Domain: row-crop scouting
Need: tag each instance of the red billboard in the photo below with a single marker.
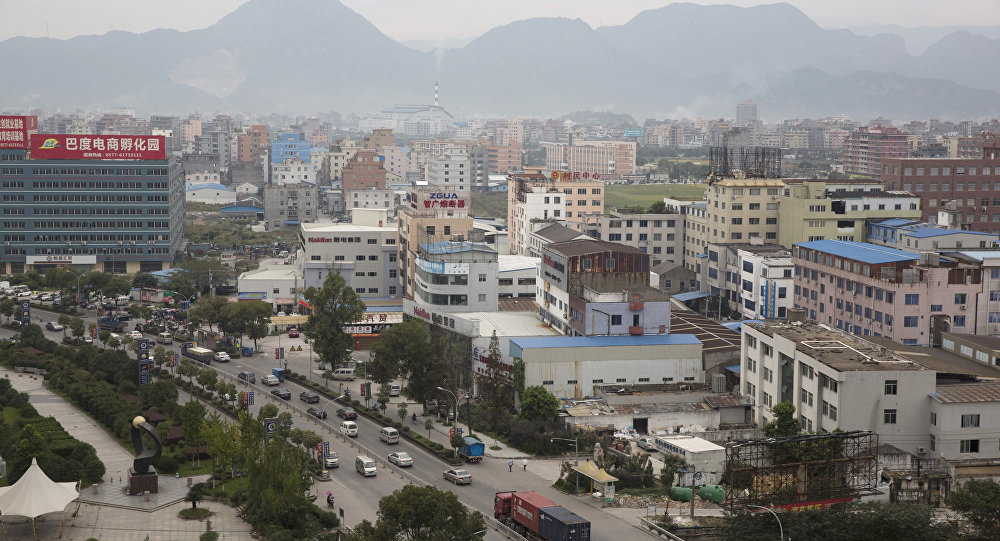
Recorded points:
(14, 131)
(49, 146)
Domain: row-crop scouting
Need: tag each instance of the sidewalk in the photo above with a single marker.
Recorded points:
(106, 523)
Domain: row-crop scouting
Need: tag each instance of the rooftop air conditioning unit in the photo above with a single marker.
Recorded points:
(921, 450)
(119, 243)
(961, 307)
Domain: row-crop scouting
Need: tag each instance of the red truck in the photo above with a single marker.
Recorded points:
(536, 517)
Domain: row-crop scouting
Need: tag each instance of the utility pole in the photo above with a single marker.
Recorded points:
(694, 471)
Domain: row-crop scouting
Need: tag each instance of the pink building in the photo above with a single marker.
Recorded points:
(872, 290)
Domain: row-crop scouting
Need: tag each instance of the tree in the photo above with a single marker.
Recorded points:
(77, 326)
(7, 308)
(278, 481)
(192, 421)
(978, 501)
(784, 424)
(497, 384)
(116, 287)
(197, 275)
(160, 356)
(143, 279)
(187, 369)
(840, 523)
(671, 463)
(428, 426)
(239, 318)
(284, 425)
(267, 411)
(160, 394)
(105, 336)
(402, 411)
(311, 441)
(658, 207)
(456, 441)
(195, 494)
(333, 307)
(538, 404)
(207, 378)
(405, 350)
(422, 513)
(209, 309)
(64, 320)
(113, 342)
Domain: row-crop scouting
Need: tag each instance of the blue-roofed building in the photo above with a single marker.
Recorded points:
(872, 290)
(245, 213)
(926, 237)
(573, 366)
(209, 192)
(290, 146)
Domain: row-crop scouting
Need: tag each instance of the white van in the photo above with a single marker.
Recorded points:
(164, 338)
(123, 299)
(344, 374)
(349, 429)
(389, 435)
(394, 389)
(365, 466)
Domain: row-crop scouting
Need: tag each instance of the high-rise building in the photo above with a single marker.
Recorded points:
(290, 145)
(584, 198)
(865, 149)
(746, 113)
(65, 208)
(603, 158)
(364, 171)
(429, 216)
(254, 143)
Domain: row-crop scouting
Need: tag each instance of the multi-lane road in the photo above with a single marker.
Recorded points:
(358, 496)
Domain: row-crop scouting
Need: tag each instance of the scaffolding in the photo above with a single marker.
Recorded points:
(810, 468)
(744, 162)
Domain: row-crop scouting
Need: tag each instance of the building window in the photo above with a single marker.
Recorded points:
(616, 319)
(959, 298)
(970, 420)
(909, 321)
(969, 446)
(933, 418)
(933, 442)
(891, 386)
(482, 277)
(889, 417)
(912, 298)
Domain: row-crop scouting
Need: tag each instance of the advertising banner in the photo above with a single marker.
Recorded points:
(15, 130)
(51, 146)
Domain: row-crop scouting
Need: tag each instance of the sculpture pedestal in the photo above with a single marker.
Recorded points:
(147, 483)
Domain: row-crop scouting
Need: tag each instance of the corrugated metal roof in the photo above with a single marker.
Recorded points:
(240, 208)
(928, 232)
(872, 254)
(590, 246)
(894, 222)
(605, 341)
(208, 186)
(691, 295)
(713, 337)
(454, 247)
(967, 392)
(727, 401)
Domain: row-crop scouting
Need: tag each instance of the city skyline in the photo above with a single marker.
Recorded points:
(440, 20)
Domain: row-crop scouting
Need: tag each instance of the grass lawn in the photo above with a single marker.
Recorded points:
(189, 468)
(11, 416)
(233, 485)
(630, 195)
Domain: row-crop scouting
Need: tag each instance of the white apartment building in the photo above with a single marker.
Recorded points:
(766, 284)
(965, 422)
(363, 252)
(516, 276)
(537, 204)
(456, 276)
(450, 169)
(291, 171)
(659, 235)
(372, 198)
(340, 156)
(604, 158)
(835, 381)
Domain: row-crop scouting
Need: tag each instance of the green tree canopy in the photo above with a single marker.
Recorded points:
(784, 424)
(333, 307)
(421, 513)
(841, 523)
(401, 349)
(979, 503)
(210, 310)
(537, 404)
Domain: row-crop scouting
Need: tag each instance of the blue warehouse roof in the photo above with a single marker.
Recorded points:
(603, 341)
(208, 185)
(928, 232)
(872, 254)
(449, 247)
(894, 222)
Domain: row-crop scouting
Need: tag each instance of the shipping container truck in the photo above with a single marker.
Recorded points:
(471, 450)
(202, 355)
(537, 518)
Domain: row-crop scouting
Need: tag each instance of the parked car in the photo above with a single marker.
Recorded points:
(53, 326)
(332, 461)
(459, 477)
(323, 475)
(123, 317)
(347, 413)
(647, 443)
(316, 412)
(394, 389)
(135, 335)
(270, 379)
(222, 357)
(309, 397)
(45, 297)
(88, 340)
(401, 459)
(282, 393)
(293, 333)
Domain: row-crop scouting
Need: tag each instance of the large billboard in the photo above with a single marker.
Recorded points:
(14, 131)
(49, 146)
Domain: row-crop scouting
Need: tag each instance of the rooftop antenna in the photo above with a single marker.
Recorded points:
(435, 93)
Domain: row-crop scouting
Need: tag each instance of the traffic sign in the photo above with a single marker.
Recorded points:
(326, 449)
(250, 400)
(270, 425)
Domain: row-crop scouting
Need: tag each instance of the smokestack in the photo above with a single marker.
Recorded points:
(435, 93)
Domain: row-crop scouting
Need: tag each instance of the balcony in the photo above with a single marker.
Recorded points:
(635, 306)
(635, 330)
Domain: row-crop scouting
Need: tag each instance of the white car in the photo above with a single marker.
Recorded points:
(135, 335)
(401, 459)
(222, 357)
(281, 314)
(270, 379)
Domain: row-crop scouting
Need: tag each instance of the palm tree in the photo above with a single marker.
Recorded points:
(195, 495)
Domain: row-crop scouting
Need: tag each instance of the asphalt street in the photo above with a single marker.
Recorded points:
(358, 496)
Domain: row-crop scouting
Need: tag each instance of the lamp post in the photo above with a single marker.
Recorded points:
(78, 276)
(453, 395)
(576, 456)
(781, 531)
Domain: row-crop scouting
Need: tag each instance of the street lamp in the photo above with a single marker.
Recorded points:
(781, 531)
(78, 276)
(576, 456)
(453, 395)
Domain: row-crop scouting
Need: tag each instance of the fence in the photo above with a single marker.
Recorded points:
(658, 530)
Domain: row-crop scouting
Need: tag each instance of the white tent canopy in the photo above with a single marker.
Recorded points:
(34, 494)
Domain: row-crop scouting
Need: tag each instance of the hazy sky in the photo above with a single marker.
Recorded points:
(439, 19)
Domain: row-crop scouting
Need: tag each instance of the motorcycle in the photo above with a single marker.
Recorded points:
(329, 500)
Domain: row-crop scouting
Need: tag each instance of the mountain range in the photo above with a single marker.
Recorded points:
(303, 56)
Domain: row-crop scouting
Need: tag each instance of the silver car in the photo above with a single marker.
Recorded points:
(401, 459)
(459, 477)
